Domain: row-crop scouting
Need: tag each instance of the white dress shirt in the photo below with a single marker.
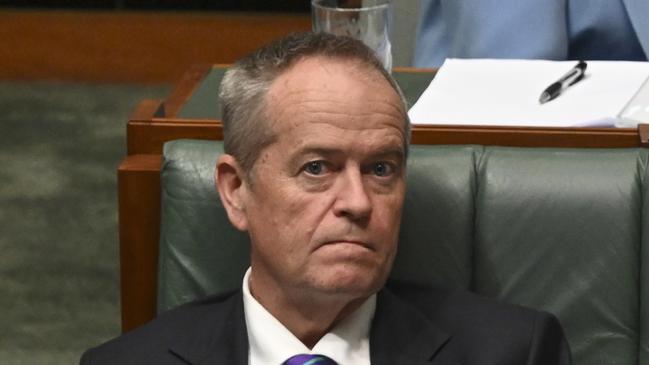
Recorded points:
(270, 343)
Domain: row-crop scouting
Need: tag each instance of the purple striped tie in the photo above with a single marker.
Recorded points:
(309, 360)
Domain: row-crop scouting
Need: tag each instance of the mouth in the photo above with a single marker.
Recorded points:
(349, 242)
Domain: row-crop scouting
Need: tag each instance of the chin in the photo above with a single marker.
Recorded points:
(352, 283)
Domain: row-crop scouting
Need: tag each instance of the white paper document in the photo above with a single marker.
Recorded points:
(506, 92)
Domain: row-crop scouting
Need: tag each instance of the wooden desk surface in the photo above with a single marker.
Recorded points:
(192, 111)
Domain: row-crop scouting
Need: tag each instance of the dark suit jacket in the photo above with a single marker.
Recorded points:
(416, 327)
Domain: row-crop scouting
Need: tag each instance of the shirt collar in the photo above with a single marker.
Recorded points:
(272, 343)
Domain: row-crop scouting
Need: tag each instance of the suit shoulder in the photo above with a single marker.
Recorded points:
(439, 304)
(150, 342)
(488, 326)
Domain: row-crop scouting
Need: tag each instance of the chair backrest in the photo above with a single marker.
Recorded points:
(555, 229)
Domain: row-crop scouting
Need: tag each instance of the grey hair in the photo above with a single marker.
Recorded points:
(243, 91)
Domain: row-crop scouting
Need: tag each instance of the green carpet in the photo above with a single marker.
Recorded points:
(60, 145)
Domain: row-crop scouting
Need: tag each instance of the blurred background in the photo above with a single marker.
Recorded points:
(70, 73)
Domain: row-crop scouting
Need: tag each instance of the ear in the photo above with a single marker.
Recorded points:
(232, 188)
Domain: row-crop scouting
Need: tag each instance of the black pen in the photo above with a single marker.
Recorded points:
(572, 77)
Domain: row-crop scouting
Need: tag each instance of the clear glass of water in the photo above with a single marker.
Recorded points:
(366, 20)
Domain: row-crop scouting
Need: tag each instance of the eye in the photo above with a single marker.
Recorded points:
(315, 168)
(382, 169)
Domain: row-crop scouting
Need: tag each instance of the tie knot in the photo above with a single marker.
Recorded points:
(304, 359)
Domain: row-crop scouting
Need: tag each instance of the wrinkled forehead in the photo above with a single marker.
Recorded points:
(322, 85)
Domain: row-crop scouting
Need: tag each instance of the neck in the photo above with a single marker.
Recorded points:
(308, 316)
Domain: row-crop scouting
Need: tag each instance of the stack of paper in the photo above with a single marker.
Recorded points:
(506, 92)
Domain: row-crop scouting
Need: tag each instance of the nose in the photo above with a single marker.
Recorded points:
(352, 200)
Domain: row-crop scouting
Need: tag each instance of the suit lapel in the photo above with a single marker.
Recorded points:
(638, 11)
(402, 335)
(399, 335)
(219, 338)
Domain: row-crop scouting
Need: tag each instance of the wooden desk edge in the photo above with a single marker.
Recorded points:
(148, 136)
(146, 109)
(149, 127)
(184, 89)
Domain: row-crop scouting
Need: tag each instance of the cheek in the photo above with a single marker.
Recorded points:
(307, 213)
(388, 215)
(391, 203)
(289, 212)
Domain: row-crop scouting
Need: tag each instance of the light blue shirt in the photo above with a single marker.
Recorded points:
(532, 29)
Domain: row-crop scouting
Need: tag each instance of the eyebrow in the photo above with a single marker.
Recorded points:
(386, 151)
(322, 151)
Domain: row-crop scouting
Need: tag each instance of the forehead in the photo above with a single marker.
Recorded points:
(336, 93)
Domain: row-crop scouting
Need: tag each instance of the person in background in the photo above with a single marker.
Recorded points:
(532, 29)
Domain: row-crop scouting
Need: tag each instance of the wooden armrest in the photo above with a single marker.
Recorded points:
(138, 180)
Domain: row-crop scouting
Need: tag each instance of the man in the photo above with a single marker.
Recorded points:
(316, 141)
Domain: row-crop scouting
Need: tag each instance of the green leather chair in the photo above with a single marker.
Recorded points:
(563, 230)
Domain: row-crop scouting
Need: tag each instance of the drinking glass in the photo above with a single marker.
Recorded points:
(365, 20)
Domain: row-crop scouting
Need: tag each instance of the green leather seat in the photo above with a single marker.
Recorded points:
(561, 230)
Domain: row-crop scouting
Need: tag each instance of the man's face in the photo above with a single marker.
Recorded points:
(323, 206)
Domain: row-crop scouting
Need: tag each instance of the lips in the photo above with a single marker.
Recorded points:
(348, 241)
